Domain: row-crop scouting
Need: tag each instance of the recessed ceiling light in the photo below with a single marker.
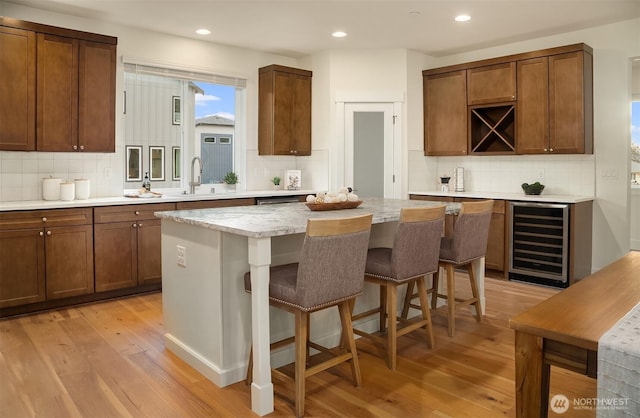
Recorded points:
(339, 34)
(462, 18)
(203, 32)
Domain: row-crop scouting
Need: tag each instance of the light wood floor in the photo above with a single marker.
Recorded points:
(108, 360)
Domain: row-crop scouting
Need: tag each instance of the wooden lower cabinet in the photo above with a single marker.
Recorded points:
(496, 247)
(45, 255)
(128, 246)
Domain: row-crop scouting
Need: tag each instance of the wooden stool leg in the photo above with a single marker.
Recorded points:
(474, 292)
(451, 299)
(249, 379)
(434, 284)
(300, 366)
(407, 300)
(345, 318)
(426, 314)
(383, 308)
(392, 328)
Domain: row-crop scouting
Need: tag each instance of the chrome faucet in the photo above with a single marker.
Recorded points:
(192, 183)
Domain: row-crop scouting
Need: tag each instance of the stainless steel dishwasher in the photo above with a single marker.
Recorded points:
(539, 243)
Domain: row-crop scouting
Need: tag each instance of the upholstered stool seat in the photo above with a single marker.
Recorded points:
(414, 254)
(330, 273)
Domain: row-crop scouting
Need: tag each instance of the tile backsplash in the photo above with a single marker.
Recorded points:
(21, 173)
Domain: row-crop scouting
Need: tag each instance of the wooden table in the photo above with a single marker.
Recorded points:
(565, 329)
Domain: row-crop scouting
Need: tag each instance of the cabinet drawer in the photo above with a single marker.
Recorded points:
(130, 212)
(42, 218)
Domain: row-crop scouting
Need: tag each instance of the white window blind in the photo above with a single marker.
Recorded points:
(183, 74)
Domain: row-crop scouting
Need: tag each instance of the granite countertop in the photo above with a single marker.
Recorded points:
(122, 200)
(543, 198)
(289, 218)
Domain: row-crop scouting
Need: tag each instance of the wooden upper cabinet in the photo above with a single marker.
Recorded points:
(284, 111)
(491, 83)
(17, 89)
(57, 126)
(57, 88)
(532, 111)
(571, 103)
(445, 113)
(96, 97)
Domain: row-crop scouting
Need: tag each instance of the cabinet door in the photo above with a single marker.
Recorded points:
(491, 84)
(116, 249)
(96, 97)
(532, 114)
(282, 113)
(57, 93)
(445, 113)
(69, 261)
(149, 252)
(17, 89)
(570, 103)
(22, 267)
(301, 116)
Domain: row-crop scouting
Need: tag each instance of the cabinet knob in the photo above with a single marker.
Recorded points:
(550, 149)
(48, 233)
(82, 147)
(545, 150)
(135, 225)
(41, 234)
(44, 219)
(75, 147)
(139, 224)
(137, 212)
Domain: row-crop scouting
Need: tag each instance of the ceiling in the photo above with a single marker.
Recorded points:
(297, 28)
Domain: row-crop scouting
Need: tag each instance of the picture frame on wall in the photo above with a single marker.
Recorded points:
(133, 163)
(156, 163)
(175, 157)
(176, 110)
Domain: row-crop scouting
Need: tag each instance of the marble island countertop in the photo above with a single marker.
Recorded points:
(288, 218)
(542, 198)
(165, 198)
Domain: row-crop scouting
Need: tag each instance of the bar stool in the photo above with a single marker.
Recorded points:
(468, 243)
(414, 255)
(330, 273)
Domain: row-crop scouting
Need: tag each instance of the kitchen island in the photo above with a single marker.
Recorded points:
(210, 321)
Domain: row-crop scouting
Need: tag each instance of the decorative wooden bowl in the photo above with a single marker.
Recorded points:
(334, 206)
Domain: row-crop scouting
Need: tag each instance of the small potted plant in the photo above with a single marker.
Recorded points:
(230, 180)
(276, 182)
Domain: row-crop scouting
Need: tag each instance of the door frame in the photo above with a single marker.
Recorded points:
(343, 172)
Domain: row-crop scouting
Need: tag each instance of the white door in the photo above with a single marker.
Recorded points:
(370, 149)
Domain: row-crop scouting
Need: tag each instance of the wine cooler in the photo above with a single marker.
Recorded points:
(538, 244)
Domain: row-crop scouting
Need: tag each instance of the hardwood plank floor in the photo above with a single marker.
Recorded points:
(108, 360)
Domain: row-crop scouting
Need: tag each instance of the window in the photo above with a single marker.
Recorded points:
(170, 109)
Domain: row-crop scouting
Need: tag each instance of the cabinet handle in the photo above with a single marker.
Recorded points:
(139, 224)
(550, 149)
(545, 150)
(82, 147)
(75, 147)
(137, 212)
(41, 234)
(44, 219)
(135, 225)
(48, 233)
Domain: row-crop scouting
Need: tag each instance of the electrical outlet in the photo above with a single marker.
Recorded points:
(181, 253)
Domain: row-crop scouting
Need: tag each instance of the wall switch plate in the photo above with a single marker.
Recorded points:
(181, 253)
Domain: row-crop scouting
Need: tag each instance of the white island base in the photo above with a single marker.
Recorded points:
(208, 316)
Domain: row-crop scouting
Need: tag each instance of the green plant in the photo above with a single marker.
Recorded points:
(275, 181)
(230, 178)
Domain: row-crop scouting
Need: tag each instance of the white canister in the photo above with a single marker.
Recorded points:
(67, 191)
(82, 189)
(51, 188)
